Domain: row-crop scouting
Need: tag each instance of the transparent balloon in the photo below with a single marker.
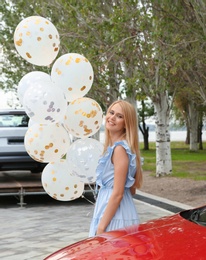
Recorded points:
(83, 117)
(37, 40)
(59, 183)
(44, 104)
(46, 143)
(74, 74)
(31, 79)
(82, 158)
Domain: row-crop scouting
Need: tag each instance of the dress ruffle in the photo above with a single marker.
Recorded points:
(107, 156)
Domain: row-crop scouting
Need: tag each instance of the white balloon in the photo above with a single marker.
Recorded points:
(45, 104)
(46, 143)
(74, 74)
(31, 122)
(29, 80)
(83, 117)
(82, 158)
(37, 40)
(59, 183)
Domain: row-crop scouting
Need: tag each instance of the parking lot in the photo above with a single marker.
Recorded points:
(43, 225)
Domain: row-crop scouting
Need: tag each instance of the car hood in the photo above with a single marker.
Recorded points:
(167, 238)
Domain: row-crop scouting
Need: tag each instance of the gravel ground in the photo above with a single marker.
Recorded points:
(185, 191)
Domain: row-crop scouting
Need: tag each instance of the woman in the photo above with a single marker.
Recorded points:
(118, 172)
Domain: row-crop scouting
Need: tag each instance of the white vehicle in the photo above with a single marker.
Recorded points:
(13, 155)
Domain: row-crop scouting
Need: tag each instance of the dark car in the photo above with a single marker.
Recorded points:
(13, 155)
(181, 236)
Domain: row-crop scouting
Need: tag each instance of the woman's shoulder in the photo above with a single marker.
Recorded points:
(125, 145)
(110, 149)
(122, 143)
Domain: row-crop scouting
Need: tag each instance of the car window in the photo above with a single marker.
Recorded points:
(197, 216)
(17, 120)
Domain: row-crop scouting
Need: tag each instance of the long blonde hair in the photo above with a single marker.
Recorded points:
(130, 135)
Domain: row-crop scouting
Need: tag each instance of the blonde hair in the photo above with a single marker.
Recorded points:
(130, 135)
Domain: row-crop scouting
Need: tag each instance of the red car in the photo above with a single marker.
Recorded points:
(181, 236)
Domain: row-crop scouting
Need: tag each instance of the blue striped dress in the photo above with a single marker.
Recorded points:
(126, 214)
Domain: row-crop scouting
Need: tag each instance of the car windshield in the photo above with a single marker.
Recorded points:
(15, 120)
(197, 216)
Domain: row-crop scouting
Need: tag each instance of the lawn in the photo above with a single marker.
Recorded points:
(185, 164)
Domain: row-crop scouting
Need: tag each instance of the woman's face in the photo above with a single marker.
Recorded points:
(115, 121)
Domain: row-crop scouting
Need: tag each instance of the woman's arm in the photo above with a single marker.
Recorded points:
(120, 160)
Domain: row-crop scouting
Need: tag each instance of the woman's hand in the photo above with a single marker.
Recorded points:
(100, 231)
(133, 190)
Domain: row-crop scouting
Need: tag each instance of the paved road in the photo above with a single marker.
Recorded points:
(45, 225)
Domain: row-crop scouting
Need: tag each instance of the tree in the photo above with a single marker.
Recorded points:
(145, 111)
(181, 40)
(192, 69)
(133, 48)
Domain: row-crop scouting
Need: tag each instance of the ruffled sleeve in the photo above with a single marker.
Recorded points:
(105, 168)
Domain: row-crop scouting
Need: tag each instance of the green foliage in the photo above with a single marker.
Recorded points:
(186, 164)
(123, 40)
(98, 30)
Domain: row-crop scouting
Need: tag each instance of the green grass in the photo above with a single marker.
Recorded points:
(185, 164)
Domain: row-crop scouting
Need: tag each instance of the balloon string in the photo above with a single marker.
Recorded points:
(87, 199)
(94, 191)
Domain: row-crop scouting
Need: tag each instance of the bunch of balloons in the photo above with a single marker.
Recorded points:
(58, 110)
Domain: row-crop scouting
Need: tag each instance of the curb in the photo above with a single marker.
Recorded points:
(160, 202)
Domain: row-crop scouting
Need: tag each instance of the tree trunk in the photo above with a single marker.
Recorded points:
(187, 141)
(163, 149)
(145, 133)
(200, 138)
(142, 125)
(146, 139)
(200, 126)
(193, 122)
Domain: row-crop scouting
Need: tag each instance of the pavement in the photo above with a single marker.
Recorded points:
(35, 231)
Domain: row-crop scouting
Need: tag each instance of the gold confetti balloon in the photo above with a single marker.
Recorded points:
(82, 158)
(83, 117)
(59, 183)
(46, 143)
(37, 40)
(74, 74)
